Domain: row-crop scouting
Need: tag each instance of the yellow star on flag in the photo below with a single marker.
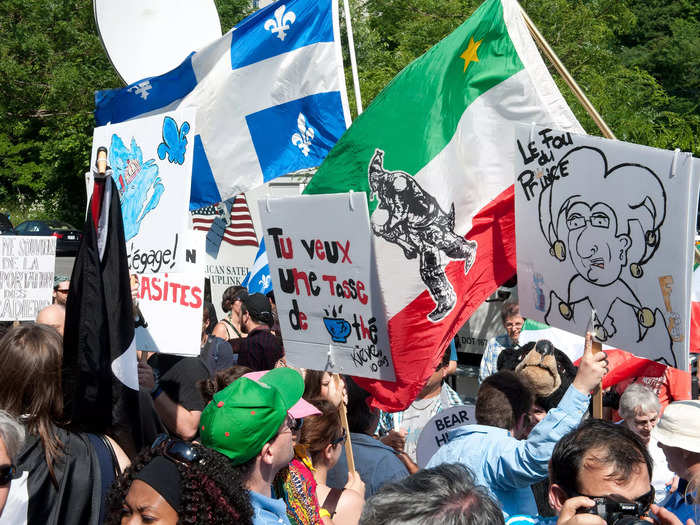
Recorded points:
(469, 54)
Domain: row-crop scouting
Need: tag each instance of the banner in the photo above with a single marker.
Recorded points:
(169, 317)
(606, 225)
(320, 257)
(151, 164)
(26, 276)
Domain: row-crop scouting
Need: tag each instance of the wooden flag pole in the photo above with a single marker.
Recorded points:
(348, 444)
(580, 95)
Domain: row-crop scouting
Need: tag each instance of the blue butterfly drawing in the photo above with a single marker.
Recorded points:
(139, 184)
(174, 141)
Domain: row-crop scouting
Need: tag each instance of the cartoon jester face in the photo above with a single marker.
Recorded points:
(597, 251)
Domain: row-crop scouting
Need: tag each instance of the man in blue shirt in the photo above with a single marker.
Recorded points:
(513, 323)
(494, 450)
(603, 461)
(252, 422)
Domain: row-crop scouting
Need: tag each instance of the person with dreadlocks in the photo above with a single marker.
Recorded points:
(176, 481)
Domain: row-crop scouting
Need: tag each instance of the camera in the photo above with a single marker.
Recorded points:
(617, 512)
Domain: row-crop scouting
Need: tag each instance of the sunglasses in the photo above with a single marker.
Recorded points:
(340, 439)
(175, 449)
(7, 474)
(59, 290)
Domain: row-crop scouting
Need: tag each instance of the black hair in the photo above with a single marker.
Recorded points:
(502, 399)
(619, 446)
(359, 415)
(212, 490)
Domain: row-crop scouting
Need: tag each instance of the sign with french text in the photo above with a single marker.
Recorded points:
(319, 250)
(26, 276)
(604, 230)
(151, 164)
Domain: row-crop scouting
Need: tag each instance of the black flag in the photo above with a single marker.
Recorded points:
(98, 356)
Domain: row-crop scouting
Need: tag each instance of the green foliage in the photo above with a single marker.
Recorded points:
(638, 61)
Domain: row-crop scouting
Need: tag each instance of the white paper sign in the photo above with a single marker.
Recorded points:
(26, 276)
(434, 434)
(607, 225)
(170, 304)
(151, 162)
(319, 252)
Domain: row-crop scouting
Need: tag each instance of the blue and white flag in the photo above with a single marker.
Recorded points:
(270, 97)
(258, 279)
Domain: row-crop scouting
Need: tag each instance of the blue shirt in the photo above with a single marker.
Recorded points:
(506, 466)
(489, 360)
(268, 511)
(682, 503)
(376, 463)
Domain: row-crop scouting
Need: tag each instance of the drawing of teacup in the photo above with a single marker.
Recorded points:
(338, 327)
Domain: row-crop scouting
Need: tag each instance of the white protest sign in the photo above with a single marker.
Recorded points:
(606, 225)
(169, 319)
(320, 257)
(26, 275)
(434, 433)
(151, 163)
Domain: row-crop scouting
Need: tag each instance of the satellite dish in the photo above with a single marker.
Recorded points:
(145, 38)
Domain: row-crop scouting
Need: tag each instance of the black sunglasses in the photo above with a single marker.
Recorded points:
(176, 450)
(7, 474)
(340, 439)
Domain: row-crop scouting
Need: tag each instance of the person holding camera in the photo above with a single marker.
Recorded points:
(600, 473)
(261, 350)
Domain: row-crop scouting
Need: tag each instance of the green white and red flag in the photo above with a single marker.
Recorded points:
(435, 154)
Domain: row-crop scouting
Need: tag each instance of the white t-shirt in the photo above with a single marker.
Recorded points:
(661, 474)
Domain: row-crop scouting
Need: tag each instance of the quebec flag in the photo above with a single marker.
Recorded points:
(270, 98)
(258, 279)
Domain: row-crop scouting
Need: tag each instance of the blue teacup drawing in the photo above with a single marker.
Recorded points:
(338, 327)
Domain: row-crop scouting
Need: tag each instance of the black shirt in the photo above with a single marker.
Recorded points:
(179, 381)
(260, 350)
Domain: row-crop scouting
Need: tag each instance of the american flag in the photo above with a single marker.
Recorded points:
(238, 230)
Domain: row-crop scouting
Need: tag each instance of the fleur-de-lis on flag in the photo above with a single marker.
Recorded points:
(306, 134)
(265, 281)
(281, 22)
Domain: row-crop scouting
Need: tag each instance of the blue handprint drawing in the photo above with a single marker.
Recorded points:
(174, 141)
(139, 184)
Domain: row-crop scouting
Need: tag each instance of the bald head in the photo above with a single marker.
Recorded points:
(53, 315)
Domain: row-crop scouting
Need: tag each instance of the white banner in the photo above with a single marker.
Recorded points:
(319, 252)
(151, 163)
(26, 275)
(169, 319)
(606, 225)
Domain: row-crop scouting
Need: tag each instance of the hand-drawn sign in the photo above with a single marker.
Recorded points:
(435, 432)
(613, 238)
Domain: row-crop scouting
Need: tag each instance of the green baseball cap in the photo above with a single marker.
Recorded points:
(245, 415)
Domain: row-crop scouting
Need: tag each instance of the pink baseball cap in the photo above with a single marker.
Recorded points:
(300, 409)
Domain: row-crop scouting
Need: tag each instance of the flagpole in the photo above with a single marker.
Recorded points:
(353, 62)
(580, 95)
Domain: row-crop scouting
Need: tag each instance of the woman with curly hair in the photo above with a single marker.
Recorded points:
(229, 328)
(178, 482)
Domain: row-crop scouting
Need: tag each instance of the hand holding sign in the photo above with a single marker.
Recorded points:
(591, 369)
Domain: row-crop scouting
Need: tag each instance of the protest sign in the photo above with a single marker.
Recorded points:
(434, 434)
(26, 275)
(606, 225)
(320, 256)
(169, 318)
(151, 163)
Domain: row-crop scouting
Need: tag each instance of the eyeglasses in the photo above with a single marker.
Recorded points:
(340, 439)
(62, 290)
(7, 474)
(295, 424)
(175, 449)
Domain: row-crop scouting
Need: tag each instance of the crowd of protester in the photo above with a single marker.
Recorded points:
(244, 438)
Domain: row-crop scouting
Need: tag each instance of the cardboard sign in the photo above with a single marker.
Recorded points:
(169, 319)
(26, 276)
(319, 252)
(609, 226)
(151, 164)
(434, 434)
